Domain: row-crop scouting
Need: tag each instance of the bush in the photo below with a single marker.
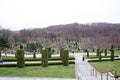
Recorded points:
(35, 64)
(49, 52)
(34, 54)
(35, 59)
(66, 58)
(44, 58)
(112, 53)
(0, 53)
(61, 52)
(20, 58)
(102, 60)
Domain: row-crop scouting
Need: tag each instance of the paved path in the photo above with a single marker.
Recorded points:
(84, 71)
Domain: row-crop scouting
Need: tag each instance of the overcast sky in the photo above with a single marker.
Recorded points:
(19, 14)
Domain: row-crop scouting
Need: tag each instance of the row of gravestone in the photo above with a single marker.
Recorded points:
(46, 53)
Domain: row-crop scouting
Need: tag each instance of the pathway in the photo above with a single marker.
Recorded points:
(84, 71)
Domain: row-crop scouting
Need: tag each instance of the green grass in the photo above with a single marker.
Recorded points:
(58, 71)
(107, 65)
(117, 52)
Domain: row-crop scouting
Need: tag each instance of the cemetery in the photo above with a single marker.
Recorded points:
(60, 55)
(43, 64)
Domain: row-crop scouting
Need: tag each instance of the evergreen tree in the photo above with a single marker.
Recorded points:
(20, 58)
(98, 52)
(112, 53)
(65, 58)
(87, 53)
(34, 54)
(44, 58)
(105, 52)
(100, 57)
(61, 52)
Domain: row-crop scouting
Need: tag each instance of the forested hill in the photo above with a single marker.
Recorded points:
(94, 34)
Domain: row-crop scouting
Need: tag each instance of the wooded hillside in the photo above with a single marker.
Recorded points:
(93, 35)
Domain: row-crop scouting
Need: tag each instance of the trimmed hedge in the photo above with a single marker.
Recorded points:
(49, 52)
(44, 58)
(112, 53)
(37, 59)
(92, 57)
(20, 58)
(102, 60)
(66, 58)
(35, 64)
(34, 54)
(0, 53)
(61, 52)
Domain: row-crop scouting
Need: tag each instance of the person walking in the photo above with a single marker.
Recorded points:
(83, 58)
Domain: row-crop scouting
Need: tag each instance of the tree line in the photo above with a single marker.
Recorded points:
(94, 35)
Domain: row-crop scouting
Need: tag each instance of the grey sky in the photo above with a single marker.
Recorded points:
(19, 14)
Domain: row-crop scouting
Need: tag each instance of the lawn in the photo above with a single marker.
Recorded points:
(58, 71)
(107, 65)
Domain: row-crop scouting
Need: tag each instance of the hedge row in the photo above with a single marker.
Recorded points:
(102, 60)
(35, 64)
(36, 59)
(92, 57)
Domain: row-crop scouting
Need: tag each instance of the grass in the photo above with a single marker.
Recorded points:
(117, 52)
(58, 71)
(106, 66)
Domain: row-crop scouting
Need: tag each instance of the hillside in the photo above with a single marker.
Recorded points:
(88, 35)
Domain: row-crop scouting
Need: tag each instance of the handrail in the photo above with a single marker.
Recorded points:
(108, 71)
(93, 72)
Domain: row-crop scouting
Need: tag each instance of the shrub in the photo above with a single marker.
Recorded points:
(100, 58)
(97, 52)
(49, 52)
(87, 53)
(66, 58)
(112, 53)
(34, 54)
(20, 58)
(44, 58)
(105, 52)
(61, 52)
(0, 53)
(35, 64)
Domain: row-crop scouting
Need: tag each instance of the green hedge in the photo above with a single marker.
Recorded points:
(66, 58)
(102, 60)
(92, 57)
(20, 58)
(35, 64)
(44, 58)
(37, 59)
(0, 53)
